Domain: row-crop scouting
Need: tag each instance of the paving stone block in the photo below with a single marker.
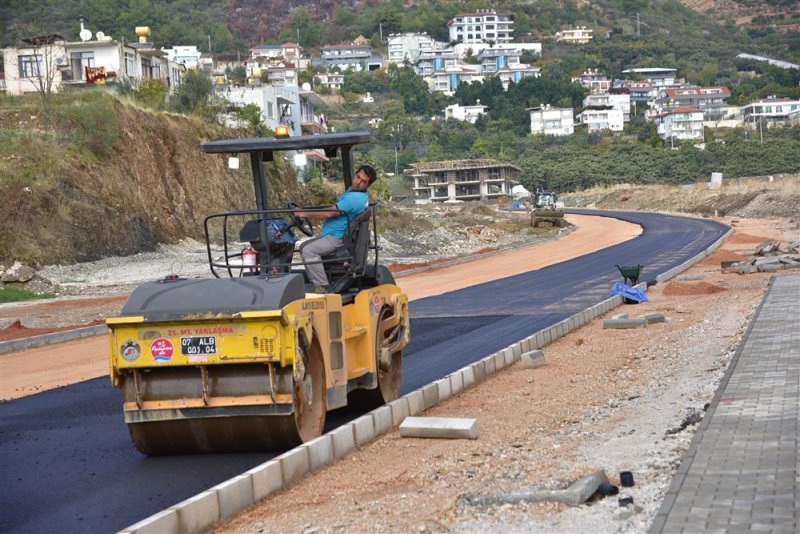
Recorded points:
(539, 343)
(532, 359)
(294, 465)
(364, 429)
(479, 371)
(499, 359)
(624, 323)
(769, 268)
(653, 317)
(689, 277)
(320, 451)
(444, 388)
(469, 376)
(399, 410)
(267, 479)
(439, 427)
(164, 521)
(382, 418)
(620, 316)
(488, 365)
(197, 513)
(416, 402)
(456, 383)
(516, 350)
(525, 344)
(234, 495)
(510, 356)
(430, 394)
(344, 440)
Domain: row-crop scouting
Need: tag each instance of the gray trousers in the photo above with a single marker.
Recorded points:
(313, 250)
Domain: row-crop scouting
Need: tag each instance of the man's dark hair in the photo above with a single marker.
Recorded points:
(370, 170)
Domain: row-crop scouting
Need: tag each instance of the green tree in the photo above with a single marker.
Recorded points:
(193, 92)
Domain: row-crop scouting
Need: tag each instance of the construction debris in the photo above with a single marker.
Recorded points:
(577, 493)
(638, 322)
(532, 359)
(439, 427)
(767, 247)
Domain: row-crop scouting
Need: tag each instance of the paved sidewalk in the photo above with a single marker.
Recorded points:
(741, 472)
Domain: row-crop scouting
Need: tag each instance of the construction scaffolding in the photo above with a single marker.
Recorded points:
(464, 179)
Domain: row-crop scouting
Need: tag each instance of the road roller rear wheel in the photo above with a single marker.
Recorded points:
(238, 433)
(389, 368)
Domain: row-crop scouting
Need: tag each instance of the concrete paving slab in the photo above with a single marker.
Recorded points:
(234, 495)
(197, 513)
(416, 402)
(624, 323)
(320, 451)
(267, 479)
(294, 464)
(382, 417)
(343, 439)
(364, 429)
(532, 359)
(439, 427)
(653, 317)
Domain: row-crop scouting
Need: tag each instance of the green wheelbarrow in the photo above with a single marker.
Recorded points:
(630, 273)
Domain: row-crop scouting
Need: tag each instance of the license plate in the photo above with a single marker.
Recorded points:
(191, 346)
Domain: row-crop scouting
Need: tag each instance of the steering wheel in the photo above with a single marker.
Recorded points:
(302, 223)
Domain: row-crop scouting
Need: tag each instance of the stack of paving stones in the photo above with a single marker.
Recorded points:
(740, 472)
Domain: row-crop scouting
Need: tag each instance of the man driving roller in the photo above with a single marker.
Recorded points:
(347, 207)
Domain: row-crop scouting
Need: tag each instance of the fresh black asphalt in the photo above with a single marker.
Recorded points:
(67, 463)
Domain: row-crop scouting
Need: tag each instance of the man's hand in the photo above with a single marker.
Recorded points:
(322, 213)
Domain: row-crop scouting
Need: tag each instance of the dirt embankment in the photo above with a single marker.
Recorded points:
(764, 198)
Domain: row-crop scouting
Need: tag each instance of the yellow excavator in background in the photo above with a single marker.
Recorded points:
(253, 358)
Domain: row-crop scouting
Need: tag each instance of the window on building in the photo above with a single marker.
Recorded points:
(79, 61)
(155, 71)
(129, 64)
(30, 66)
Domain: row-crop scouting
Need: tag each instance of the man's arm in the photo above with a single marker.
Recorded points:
(323, 213)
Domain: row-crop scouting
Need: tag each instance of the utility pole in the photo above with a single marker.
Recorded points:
(637, 25)
(761, 126)
(209, 43)
(380, 29)
(298, 36)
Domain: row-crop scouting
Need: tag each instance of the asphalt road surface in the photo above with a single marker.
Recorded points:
(67, 463)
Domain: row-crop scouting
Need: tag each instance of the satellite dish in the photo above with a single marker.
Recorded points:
(306, 86)
(85, 35)
(99, 36)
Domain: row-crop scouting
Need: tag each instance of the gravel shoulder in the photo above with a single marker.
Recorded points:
(616, 400)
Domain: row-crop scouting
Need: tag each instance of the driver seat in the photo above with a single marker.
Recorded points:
(348, 261)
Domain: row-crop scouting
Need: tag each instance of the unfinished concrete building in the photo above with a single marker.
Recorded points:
(464, 179)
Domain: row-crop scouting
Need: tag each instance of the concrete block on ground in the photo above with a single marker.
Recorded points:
(653, 317)
(532, 359)
(343, 439)
(234, 495)
(364, 429)
(689, 277)
(320, 451)
(294, 465)
(469, 376)
(624, 323)
(479, 370)
(456, 383)
(416, 402)
(510, 356)
(744, 268)
(267, 479)
(620, 316)
(430, 394)
(488, 365)
(770, 268)
(197, 513)
(444, 388)
(382, 417)
(499, 360)
(164, 521)
(399, 409)
(439, 427)
(769, 260)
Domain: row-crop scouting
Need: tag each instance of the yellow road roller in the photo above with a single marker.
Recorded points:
(254, 357)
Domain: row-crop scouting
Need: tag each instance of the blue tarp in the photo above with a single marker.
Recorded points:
(628, 292)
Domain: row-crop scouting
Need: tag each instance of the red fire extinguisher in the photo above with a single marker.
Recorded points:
(249, 258)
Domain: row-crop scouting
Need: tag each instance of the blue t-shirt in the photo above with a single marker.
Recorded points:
(353, 203)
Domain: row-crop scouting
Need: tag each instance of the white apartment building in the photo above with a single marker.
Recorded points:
(770, 111)
(436, 60)
(447, 81)
(596, 82)
(602, 118)
(579, 35)
(515, 73)
(188, 55)
(102, 62)
(617, 101)
(659, 78)
(465, 113)
(408, 46)
(548, 120)
(481, 26)
(681, 123)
